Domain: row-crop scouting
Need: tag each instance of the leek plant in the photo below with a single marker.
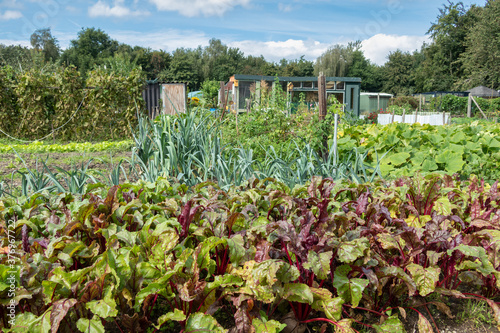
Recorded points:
(189, 148)
(33, 181)
(73, 181)
(3, 189)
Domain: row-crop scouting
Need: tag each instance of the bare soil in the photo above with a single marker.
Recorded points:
(99, 162)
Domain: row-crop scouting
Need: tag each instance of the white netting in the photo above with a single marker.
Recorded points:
(431, 118)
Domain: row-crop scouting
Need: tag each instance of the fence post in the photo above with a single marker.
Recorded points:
(479, 107)
(403, 120)
(335, 138)
(469, 107)
(444, 118)
(416, 115)
(322, 96)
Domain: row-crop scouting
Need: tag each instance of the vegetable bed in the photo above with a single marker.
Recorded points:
(165, 257)
(464, 149)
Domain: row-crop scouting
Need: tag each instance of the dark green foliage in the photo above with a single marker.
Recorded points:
(43, 41)
(90, 48)
(481, 59)
(412, 102)
(399, 73)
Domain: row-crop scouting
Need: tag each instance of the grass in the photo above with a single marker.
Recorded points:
(476, 312)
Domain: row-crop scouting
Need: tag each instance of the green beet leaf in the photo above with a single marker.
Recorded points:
(226, 281)
(331, 307)
(177, 315)
(390, 325)
(344, 326)
(424, 326)
(90, 326)
(236, 248)
(425, 278)
(319, 263)
(350, 251)
(198, 322)
(481, 264)
(298, 292)
(399, 273)
(350, 289)
(269, 326)
(103, 308)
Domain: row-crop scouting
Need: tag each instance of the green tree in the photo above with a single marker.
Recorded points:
(370, 74)
(43, 41)
(90, 48)
(481, 60)
(210, 90)
(18, 57)
(257, 66)
(398, 73)
(336, 60)
(300, 67)
(184, 67)
(220, 61)
(442, 68)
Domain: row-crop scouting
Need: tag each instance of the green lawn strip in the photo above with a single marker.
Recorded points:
(39, 147)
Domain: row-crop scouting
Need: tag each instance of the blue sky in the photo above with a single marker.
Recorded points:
(276, 29)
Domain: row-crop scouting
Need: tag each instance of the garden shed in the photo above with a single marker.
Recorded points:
(240, 87)
(373, 102)
(165, 97)
(483, 92)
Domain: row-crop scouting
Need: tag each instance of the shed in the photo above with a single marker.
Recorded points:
(483, 92)
(373, 102)
(151, 96)
(174, 97)
(170, 96)
(345, 89)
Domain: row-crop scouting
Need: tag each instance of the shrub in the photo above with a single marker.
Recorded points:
(405, 101)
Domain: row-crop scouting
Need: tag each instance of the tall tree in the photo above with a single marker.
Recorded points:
(256, 66)
(220, 61)
(398, 73)
(300, 67)
(184, 67)
(90, 48)
(481, 60)
(43, 41)
(369, 73)
(442, 68)
(18, 57)
(336, 60)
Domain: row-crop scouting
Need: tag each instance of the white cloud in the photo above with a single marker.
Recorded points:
(10, 3)
(171, 39)
(284, 8)
(15, 42)
(118, 10)
(276, 50)
(167, 40)
(191, 8)
(378, 47)
(10, 15)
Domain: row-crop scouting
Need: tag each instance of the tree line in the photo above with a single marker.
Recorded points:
(464, 52)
